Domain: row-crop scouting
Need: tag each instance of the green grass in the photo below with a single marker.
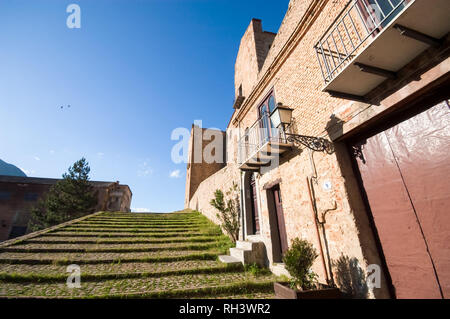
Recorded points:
(67, 261)
(235, 288)
(165, 240)
(220, 245)
(44, 278)
(180, 261)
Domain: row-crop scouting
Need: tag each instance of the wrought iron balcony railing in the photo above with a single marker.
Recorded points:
(261, 142)
(357, 24)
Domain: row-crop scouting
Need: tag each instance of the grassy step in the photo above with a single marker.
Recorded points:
(129, 230)
(124, 234)
(125, 255)
(121, 259)
(156, 222)
(254, 295)
(150, 217)
(243, 290)
(95, 269)
(137, 226)
(145, 220)
(192, 285)
(128, 248)
(89, 277)
(161, 220)
(134, 223)
(126, 240)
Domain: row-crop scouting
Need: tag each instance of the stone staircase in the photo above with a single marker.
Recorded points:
(125, 255)
(246, 252)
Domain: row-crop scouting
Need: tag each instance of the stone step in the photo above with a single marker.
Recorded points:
(245, 245)
(249, 252)
(279, 269)
(230, 260)
(239, 254)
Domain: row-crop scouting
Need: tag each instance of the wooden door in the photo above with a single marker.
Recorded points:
(254, 199)
(280, 219)
(405, 175)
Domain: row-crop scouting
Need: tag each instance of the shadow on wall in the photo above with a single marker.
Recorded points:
(350, 278)
(334, 127)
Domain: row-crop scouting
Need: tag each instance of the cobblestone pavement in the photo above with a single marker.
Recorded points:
(126, 255)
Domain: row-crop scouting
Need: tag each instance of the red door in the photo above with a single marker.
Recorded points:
(405, 173)
(280, 219)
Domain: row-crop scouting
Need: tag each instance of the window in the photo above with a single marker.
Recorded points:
(376, 11)
(5, 195)
(265, 110)
(31, 197)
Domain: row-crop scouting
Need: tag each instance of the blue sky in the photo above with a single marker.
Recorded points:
(135, 71)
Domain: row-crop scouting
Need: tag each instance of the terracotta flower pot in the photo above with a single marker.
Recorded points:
(283, 291)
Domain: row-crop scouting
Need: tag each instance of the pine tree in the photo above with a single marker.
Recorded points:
(69, 198)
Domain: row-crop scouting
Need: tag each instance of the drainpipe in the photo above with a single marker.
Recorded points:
(241, 204)
(314, 213)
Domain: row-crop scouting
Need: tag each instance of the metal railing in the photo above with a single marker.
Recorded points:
(359, 21)
(259, 134)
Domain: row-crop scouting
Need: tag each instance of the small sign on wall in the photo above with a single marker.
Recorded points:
(326, 186)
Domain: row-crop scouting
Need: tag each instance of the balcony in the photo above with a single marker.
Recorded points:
(261, 145)
(371, 40)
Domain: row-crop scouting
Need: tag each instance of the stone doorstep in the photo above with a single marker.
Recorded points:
(279, 269)
(241, 254)
(254, 238)
(229, 260)
(245, 245)
(245, 252)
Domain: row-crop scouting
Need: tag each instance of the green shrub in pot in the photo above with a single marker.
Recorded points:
(298, 261)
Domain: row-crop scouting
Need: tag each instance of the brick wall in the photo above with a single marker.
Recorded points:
(253, 49)
(197, 169)
(17, 198)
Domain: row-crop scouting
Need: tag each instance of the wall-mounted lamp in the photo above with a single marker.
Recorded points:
(282, 116)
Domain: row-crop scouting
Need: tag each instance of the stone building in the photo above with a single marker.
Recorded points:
(19, 194)
(359, 162)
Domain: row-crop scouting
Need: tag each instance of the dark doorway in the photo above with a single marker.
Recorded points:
(278, 224)
(404, 172)
(254, 205)
(17, 231)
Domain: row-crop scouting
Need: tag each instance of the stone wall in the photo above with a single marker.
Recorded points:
(223, 180)
(197, 168)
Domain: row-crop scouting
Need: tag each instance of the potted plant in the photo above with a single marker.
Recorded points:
(303, 284)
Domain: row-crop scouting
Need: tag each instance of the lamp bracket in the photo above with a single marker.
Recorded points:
(318, 144)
